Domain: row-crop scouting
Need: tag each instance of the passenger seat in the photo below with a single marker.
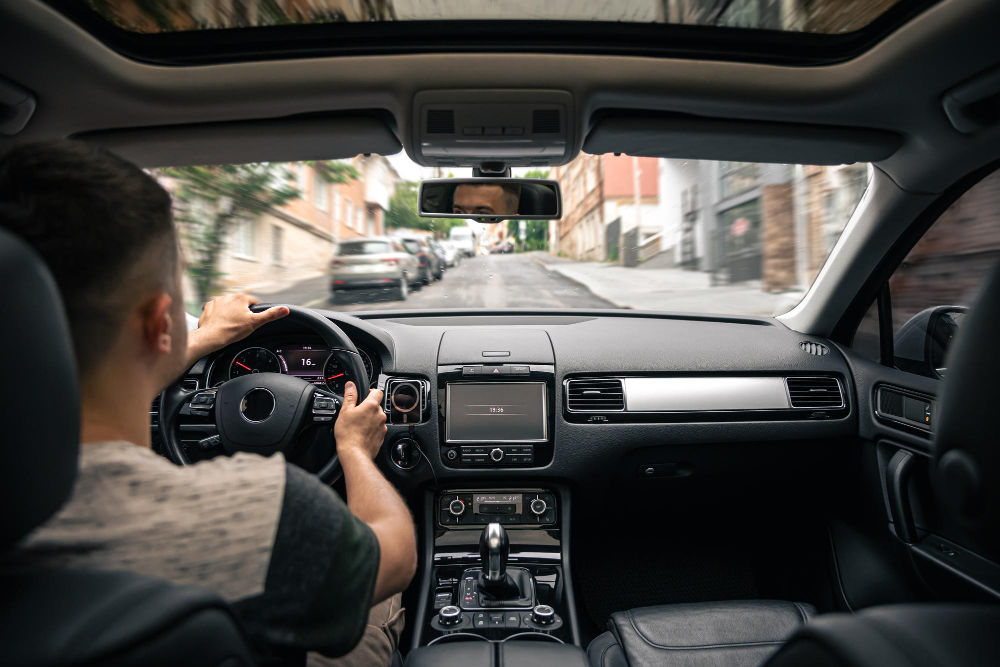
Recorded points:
(739, 633)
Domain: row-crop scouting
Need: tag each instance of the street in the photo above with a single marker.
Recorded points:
(484, 281)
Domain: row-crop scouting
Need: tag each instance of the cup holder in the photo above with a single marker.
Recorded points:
(534, 636)
(457, 637)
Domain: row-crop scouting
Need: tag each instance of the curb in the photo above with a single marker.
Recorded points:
(554, 268)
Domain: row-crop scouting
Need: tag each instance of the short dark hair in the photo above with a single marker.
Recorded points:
(103, 226)
(512, 197)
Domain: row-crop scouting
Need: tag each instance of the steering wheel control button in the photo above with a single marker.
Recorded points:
(204, 399)
(211, 442)
(257, 405)
(450, 616)
(324, 408)
(496, 455)
(543, 614)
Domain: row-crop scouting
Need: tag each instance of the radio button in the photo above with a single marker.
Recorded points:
(496, 454)
(474, 459)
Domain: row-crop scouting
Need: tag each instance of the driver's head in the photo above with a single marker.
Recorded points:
(105, 230)
(486, 199)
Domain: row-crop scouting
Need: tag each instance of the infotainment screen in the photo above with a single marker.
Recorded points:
(496, 412)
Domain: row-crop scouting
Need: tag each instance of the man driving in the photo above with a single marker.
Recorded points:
(486, 200)
(304, 571)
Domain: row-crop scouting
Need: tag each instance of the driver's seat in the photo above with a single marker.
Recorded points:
(63, 617)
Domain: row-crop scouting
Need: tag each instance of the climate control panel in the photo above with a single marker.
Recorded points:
(510, 508)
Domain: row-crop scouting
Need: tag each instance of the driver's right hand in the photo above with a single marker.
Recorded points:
(361, 426)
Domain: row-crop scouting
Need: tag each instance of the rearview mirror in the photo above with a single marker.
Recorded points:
(490, 199)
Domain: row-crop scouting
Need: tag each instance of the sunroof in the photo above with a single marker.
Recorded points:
(826, 17)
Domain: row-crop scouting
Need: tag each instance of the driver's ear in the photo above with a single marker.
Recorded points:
(156, 324)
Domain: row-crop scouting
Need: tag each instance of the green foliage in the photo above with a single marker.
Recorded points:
(536, 235)
(402, 213)
(211, 200)
(536, 173)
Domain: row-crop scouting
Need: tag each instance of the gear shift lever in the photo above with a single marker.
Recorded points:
(494, 548)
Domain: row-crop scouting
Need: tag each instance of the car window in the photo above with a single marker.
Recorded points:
(364, 248)
(411, 245)
(931, 291)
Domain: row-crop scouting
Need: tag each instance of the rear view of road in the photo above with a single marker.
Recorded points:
(487, 281)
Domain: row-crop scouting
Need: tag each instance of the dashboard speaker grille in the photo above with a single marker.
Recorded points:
(817, 349)
(817, 393)
(595, 395)
(440, 121)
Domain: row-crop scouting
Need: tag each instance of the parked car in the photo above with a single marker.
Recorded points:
(452, 257)
(377, 262)
(442, 258)
(429, 265)
(464, 240)
(502, 247)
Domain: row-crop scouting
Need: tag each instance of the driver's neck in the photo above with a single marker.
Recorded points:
(114, 405)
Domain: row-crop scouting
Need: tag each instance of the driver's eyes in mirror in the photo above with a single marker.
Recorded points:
(486, 199)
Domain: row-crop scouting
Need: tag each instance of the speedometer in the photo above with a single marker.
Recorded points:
(368, 365)
(253, 360)
(334, 375)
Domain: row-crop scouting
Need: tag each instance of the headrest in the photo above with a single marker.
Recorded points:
(967, 434)
(40, 402)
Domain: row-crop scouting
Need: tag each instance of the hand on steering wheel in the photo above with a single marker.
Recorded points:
(264, 413)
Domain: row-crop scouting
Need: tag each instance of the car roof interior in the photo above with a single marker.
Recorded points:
(915, 92)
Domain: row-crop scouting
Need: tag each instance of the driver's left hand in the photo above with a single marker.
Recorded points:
(226, 320)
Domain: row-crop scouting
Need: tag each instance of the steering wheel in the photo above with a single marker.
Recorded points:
(265, 413)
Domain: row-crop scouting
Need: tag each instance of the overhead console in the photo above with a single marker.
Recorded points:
(515, 128)
(496, 398)
(685, 398)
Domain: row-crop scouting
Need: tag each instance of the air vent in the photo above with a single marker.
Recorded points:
(817, 349)
(545, 121)
(817, 393)
(599, 395)
(440, 121)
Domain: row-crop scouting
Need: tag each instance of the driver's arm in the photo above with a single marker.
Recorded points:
(359, 432)
(226, 320)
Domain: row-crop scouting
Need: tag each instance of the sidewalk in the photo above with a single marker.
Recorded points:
(668, 289)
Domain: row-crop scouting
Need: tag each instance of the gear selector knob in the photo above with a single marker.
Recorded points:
(494, 548)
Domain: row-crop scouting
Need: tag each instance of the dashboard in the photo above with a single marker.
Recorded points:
(304, 356)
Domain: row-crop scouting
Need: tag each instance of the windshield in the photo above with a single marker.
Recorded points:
(652, 234)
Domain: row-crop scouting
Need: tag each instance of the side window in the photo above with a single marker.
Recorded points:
(930, 292)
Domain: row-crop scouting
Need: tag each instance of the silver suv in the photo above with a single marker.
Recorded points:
(373, 263)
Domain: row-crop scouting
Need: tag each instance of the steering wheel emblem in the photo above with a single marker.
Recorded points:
(257, 405)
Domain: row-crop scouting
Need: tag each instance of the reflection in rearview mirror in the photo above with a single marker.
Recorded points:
(490, 199)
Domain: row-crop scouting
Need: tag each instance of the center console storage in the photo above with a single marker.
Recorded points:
(484, 654)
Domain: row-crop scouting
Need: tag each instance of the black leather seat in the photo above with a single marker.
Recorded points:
(76, 617)
(966, 476)
(740, 633)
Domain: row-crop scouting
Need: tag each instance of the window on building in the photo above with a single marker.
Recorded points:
(302, 174)
(359, 222)
(277, 244)
(336, 203)
(321, 192)
(737, 177)
(931, 291)
(349, 214)
(245, 241)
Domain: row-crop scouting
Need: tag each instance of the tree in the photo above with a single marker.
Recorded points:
(402, 213)
(536, 235)
(212, 200)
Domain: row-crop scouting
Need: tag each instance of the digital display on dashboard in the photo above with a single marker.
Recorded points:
(496, 412)
(303, 361)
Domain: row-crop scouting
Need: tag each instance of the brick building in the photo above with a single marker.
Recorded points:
(599, 204)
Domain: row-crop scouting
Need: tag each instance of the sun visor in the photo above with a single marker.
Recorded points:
(699, 138)
(279, 140)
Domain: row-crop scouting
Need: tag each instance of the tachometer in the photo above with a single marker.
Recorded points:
(368, 365)
(334, 375)
(253, 360)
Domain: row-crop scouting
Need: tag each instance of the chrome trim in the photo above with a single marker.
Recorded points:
(567, 382)
(494, 535)
(545, 413)
(705, 394)
(840, 388)
(522, 556)
(243, 406)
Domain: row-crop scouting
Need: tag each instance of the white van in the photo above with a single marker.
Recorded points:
(464, 240)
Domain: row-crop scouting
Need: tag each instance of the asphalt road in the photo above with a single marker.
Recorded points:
(485, 281)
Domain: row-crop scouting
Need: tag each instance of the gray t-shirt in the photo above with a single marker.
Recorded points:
(297, 566)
